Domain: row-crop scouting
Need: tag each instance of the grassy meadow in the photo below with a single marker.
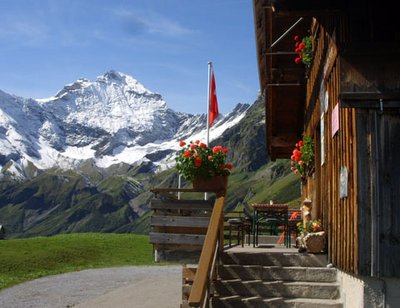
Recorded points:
(26, 259)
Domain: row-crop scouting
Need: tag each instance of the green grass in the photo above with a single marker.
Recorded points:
(26, 259)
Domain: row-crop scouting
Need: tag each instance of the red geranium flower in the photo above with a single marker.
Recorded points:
(302, 158)
(182, 143)
(197, 162)
(217, 149)
(229, 166)
(315, 227)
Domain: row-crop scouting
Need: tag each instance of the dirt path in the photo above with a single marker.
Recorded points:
(122, 287)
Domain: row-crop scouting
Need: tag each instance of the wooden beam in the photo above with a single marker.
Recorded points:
(370, 104)
(284, 84)
(370, 100)
(157, 204)
(188, 274)
(179, 221)
(370, 95)
(175, 190)
(179, 230)
(207, 254)
(306, 13)
(180, 239)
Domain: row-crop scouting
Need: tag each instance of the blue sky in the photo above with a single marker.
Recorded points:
(164, 44)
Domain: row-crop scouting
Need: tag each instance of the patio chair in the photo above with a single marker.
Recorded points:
(269, 218)
(294, 218)
(239, 224)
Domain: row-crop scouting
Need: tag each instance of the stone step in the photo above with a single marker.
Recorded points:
(321, 290)
(271, 273)
(260, 302)
(275, 259)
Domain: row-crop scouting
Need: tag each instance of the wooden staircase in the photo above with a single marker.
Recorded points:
(275, 279)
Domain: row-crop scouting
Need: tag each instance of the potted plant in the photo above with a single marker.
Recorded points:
(304, 50)
(303, 158)
(312, 237)
(204, 166)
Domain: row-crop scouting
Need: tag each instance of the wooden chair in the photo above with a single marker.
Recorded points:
(270, 217)
(294, 218)
(240, 223)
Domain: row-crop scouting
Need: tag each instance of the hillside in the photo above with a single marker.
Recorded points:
(116, 199)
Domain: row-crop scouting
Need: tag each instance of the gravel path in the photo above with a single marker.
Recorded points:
(131, 286)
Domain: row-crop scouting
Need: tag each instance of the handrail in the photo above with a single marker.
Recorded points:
(206, 261)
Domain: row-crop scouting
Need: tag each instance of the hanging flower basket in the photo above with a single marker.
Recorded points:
(303, 158)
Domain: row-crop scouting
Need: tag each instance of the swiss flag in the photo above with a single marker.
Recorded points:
(213, 106)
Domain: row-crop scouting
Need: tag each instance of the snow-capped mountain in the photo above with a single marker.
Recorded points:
(109, 121)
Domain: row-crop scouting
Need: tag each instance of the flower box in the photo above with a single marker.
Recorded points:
(203, 165)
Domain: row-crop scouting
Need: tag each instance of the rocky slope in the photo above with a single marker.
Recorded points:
(105, 122)
(81, 173)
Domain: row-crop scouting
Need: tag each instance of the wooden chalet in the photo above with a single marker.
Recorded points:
(348, 100)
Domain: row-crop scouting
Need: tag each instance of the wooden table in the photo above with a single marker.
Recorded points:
(277, 213)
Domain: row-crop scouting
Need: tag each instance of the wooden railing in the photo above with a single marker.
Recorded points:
(178, 226)
(212, 248)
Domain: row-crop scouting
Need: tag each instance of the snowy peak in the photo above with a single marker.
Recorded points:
(112, 102)
(77, 85)
(111, 120)
(122, 79)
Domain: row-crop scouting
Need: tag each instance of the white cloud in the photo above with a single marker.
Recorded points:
(150, 22)
(24, 31)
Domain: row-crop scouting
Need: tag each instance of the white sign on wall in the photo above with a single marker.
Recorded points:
(343, 181)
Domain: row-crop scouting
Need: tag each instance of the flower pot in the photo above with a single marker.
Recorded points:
(215, 183)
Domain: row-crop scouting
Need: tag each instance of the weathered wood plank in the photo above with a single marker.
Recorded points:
(181, 204)
(188, 274)
(369, 104)
(388, 192)
(178, 247)
(179, 230)
(363, 188)
(207, 254)
(179, 221)
(171, 238)
(183, 255)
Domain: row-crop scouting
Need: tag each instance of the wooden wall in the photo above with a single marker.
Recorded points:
(356, 68)
(378, 137)
(333, 152)
(363, 224)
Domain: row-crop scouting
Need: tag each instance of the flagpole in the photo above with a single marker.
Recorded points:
(208, 103)
(179, 186)
(208, 110)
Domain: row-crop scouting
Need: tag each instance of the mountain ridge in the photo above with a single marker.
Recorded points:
(110, 189)
(111, 120)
